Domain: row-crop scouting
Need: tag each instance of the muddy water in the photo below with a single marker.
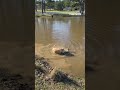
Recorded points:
(62, 32)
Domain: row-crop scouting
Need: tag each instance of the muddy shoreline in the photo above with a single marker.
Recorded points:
(48, 77)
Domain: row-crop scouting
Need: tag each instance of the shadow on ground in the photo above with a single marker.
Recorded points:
(10, 81)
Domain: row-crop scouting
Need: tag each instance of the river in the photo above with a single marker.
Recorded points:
(62, 32)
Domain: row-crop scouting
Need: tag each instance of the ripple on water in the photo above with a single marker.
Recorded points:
(70, 64)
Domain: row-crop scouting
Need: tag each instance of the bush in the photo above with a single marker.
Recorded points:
(59, 5)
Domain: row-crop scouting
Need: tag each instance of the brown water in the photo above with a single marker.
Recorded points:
(62, 32)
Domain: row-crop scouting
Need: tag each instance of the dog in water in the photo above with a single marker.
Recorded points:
(61, 51)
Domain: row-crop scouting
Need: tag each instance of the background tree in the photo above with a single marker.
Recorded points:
(59, 5)
(43, 6)
(37, 4)
(75, 5)
(82, 6)
(50, 4)
(67, 3)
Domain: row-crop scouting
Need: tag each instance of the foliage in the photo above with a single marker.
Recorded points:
(59, 5)
(62, 4)
(67, 3)
(50, 4)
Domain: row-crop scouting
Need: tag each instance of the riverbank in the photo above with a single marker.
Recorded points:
(58, 13)
(12, 81)
(48, 77)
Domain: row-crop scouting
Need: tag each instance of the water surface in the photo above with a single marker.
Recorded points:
(66, 32)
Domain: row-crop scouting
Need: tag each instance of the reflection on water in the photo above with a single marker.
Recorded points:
(66, 32)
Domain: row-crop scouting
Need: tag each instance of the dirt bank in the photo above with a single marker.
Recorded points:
(50, 78)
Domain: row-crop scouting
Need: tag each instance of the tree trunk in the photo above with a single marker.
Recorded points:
(82, 6)
(42, 7)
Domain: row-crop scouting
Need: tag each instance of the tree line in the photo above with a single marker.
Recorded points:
(60, 5)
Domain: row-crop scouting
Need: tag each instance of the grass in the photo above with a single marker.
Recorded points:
(55, 86)
(50, 13)
(64, 12)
